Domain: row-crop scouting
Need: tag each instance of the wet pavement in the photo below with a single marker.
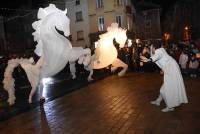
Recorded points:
(56, 86)
(113, 105)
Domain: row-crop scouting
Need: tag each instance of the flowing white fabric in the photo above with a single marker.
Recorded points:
(172, 89)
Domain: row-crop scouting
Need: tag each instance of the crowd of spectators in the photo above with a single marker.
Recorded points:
(187, 55)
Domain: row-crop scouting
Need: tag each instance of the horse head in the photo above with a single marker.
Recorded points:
(55, 17)
(118, 33)
(62, 22)
(49, 18)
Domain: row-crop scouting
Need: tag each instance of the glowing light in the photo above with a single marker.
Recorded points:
(47, 81)
(186, 34)
(106, 52)
(166, 36)
(129, 42)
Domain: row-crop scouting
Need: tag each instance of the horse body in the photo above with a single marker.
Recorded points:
(55, 46)
(106, 53)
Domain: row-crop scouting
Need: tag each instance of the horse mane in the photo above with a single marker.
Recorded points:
(115, 29)
(112, 31)
(41, 15)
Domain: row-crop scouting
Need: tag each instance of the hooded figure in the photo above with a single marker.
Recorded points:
(172, 90)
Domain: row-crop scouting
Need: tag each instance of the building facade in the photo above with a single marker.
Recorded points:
(79, 22)
(2, 36)
(183, 17)
(104, 12)
(148, 21)
(16, 32)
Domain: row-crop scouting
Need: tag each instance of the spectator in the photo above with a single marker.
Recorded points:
(135, 57)
(183, 61)
(145, 66)
(193, 66)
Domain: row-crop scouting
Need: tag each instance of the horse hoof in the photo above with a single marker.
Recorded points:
(90, 79)
(11, 101)
(121, 74)
(29, 101)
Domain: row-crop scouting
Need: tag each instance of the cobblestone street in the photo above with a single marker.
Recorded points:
(113, 105)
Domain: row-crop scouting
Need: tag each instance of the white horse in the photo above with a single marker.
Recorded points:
(55, 51)
(106, 53)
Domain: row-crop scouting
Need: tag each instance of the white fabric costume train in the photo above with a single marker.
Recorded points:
(173, 89)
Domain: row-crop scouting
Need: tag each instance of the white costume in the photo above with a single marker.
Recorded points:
(173, 89)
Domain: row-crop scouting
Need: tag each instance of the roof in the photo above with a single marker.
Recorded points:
(143, 5)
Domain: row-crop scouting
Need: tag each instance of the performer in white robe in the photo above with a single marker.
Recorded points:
(173, 90)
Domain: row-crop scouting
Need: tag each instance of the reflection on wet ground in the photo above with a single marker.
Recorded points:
(55, 87)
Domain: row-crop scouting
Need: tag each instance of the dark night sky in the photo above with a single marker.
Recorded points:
(18, 3)
(7, 8)
(35, 3)
(12, 4)
(163, 3)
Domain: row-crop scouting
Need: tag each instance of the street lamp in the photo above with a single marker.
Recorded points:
(166, 37)
(186, 33)
(186, 28)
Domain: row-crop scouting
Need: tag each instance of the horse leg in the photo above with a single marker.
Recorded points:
(72, 69)
(90, 75)
(113, 68)
(31, 94)
(89, 68)
(118, 63)
(34, 88)
(11, 96)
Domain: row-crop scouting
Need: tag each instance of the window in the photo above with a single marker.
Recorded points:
(77, 2)
(127, 2)
(80, 35)
(148, 23)
(79, 16)
(119, 20)
(100, 23)
(99, 3)
(119, 2)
